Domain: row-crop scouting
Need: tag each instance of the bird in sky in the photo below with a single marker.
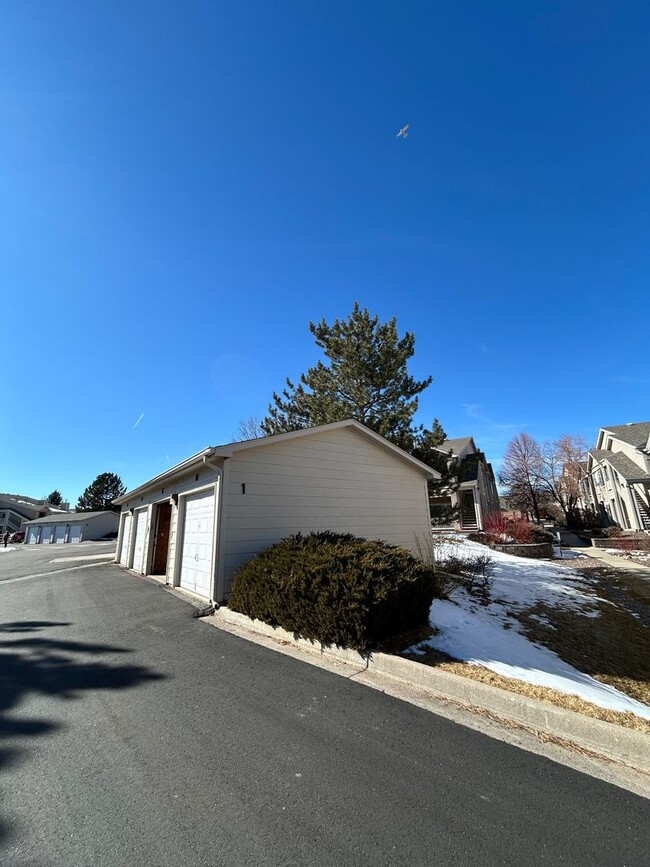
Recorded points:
(404, 132)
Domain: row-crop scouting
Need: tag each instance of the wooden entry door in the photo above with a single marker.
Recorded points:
(161, 541)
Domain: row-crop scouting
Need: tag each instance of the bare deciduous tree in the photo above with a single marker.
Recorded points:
(249, 429)
(520, 474)
(535, 476)
(561, 473)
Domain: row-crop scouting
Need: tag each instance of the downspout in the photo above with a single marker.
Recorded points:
(212, 466)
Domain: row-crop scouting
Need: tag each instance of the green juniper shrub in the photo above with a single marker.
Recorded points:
(336, 588)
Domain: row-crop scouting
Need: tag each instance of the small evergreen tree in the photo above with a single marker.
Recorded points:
(55, 498)
(99, 496)
(427, 447)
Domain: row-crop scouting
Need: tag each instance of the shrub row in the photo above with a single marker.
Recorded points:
(336, 588)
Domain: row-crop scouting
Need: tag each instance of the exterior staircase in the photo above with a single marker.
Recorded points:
(643, 510)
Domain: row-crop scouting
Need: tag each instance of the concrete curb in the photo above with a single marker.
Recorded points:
(614, 742)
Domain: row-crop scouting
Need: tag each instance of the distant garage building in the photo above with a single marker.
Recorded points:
(193, 525)
(70, 527)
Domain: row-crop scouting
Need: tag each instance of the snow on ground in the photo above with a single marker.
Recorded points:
(475, 633)
(2, 548)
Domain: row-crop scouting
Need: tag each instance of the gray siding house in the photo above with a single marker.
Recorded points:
(193, 525)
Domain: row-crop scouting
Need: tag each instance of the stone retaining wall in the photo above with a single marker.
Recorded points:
(614, 541)
(534, 550)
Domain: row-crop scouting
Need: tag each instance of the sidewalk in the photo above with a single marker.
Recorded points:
(620, 563)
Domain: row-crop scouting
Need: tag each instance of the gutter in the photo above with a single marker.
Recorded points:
(168, 474)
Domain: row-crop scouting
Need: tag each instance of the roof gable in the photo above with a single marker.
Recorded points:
(229, 449)
(636, 434)
(349, 424)
(457, 446)
(621, 463)
(67, 517)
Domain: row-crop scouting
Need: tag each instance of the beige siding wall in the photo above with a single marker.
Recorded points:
(331, 481)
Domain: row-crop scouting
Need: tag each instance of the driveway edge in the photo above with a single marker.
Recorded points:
(612, 741)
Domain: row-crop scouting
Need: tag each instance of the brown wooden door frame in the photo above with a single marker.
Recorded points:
(161, 539)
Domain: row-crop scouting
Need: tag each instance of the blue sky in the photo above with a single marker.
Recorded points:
(185, 185)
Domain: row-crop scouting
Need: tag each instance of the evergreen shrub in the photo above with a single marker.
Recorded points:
(336, 588)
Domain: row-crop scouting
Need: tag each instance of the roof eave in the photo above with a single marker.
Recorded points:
(176, 470)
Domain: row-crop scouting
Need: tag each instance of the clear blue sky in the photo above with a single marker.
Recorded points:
(185, 185)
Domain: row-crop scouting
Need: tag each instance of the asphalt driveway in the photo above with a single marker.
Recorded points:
(133, 734)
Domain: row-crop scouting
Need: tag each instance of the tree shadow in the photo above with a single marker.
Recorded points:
(31, 625)
(43, 665)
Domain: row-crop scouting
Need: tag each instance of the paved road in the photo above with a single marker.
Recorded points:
(20, 560)
(135, 735)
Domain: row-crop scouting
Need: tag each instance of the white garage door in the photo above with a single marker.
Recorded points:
(140, 530)
(75, 533)
(46, 535)
(126, 538)
(59, 533)
(196, 555)
(32, 535)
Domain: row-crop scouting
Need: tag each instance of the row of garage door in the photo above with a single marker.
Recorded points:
(196, 522)
(56, 533)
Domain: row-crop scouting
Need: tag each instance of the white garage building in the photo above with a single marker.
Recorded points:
(194, 524)
(70, 527)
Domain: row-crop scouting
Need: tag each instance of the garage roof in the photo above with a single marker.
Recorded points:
(229, 449)
(66, 518)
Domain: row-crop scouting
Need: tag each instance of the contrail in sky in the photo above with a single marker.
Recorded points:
(138, 421)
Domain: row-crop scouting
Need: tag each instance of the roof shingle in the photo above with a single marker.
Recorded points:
(635, 434)
(621, 463)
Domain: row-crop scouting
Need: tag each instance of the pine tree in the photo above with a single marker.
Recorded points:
(365, 378)
(55, 498)
(99, 496)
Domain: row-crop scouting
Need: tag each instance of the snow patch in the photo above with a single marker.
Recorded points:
(490, 636)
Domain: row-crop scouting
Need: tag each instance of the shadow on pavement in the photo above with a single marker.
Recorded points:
(40, 664)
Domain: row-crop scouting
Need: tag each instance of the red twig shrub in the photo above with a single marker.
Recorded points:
(500, 528)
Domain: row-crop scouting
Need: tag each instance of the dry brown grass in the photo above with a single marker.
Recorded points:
(542, 693)
(613, 648)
